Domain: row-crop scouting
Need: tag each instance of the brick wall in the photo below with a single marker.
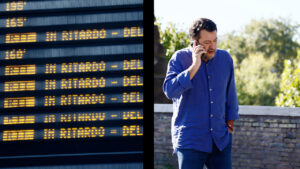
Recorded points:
(264, 138)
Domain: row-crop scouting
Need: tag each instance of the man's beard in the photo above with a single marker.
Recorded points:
(206, 57)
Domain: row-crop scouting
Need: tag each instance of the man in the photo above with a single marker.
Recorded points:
(200, 81)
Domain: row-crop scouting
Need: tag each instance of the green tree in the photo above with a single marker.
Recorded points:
(289, 95)
(236, 45)
(272, 37)
(173, 39)
(261, 46)
(256, 81)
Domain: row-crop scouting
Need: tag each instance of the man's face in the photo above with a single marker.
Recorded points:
(209, 41)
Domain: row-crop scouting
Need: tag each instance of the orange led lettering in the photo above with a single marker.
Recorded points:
(19, 120)
(83, 67)
(50, 36)
(81, 132)
(74, 83)
(75, 66)
(19, 70)
(70, 67)
(83, 34)
(64, 68)
(132, 97)
(50, 68)
(14, 54)
(49, 101)
(88, 34)
(102, 33)
(63, 100)
(126, 32)
(132, 81)
(133, 32)
(49, 134)
(75, 32)
(49, 119)
(82, 117)
(65, 35)
(82, 99)
(81, 83)
(17, 135)
(50, 84)
(19, 102)
(126, 65)
(65, 118)
(20, 37)
(132, 64)
(132, 115)
(63, 133)
(19, 86)
(91, 117)
(88, 67)
(132, 130)
(15, 6)
(15, 22)
(139, 32)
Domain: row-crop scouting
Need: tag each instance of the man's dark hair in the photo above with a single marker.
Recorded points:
(201, 24)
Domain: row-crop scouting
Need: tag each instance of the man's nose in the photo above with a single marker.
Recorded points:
(213, 46)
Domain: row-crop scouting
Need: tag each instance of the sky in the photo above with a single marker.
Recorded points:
(229, 15)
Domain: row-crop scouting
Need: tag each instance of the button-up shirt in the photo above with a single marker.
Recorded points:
(201, 106)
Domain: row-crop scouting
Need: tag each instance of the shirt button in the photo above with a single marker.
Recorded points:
(211, 102)
(211, 115)
(210, 89)
(211, 129)
(209, 77)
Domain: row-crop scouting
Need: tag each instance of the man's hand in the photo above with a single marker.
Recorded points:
(198, 51)
(230, 125)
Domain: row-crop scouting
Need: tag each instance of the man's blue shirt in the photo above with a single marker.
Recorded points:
(201, 106)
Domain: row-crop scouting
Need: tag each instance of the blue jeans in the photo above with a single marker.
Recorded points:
(193, 159)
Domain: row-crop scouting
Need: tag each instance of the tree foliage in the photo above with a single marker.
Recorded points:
(258, 77)
(290, 84)
(173, 39)
(256, 81)
(273, 37)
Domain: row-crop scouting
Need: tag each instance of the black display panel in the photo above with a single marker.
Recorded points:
(71, 81)
(38, 5)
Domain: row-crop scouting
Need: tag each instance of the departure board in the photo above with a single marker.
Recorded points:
(71, 79)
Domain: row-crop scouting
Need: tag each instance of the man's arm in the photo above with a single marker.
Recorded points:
(198, 51)
(177, 79)
(232, 106)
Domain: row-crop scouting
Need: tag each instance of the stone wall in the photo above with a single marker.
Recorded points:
(264, 138)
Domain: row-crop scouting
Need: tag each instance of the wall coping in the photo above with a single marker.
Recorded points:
(245, 110)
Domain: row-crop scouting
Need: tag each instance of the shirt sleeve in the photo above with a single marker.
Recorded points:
(177, 79)
(232, 106)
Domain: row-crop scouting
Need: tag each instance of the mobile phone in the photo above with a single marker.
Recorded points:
(192, 43)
